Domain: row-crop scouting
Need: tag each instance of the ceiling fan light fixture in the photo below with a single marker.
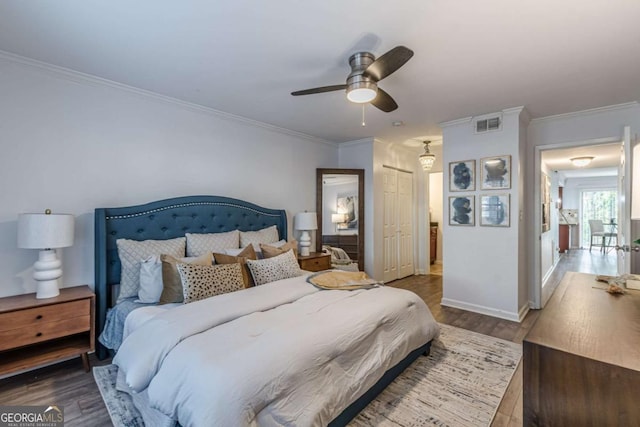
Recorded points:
(582, 161)
(427, 158)
(362, 92)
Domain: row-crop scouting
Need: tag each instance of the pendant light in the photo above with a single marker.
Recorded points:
(427, 158)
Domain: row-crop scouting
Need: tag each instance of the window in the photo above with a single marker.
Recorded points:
(597, 204)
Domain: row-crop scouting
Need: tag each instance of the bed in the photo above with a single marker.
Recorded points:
(228, 329)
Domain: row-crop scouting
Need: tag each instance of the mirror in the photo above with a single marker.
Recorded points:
(340, 208)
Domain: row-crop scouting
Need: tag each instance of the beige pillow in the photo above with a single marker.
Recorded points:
(171, 283)
(269, 251)
(199, 244)
(200, 282)
(241, 258)
(279, 267)
(266, 235)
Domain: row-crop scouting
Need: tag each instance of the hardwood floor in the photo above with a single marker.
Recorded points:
(67, 384)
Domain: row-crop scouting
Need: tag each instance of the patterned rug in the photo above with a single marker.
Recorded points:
(460, 384)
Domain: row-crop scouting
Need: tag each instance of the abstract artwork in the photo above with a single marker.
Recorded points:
(462, 210)
(347, 205)
(494, 210)
(462, 175)
(496, 172)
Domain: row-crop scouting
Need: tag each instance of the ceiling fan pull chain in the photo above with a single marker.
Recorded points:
(363, 122)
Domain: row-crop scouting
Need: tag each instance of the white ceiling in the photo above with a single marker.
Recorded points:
(245, 57)
(606, 158)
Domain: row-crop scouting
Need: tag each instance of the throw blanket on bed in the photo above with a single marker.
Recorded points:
(284, 353)
(344, 280)
(338, 255)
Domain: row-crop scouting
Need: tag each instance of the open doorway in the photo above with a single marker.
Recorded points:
(577, 194)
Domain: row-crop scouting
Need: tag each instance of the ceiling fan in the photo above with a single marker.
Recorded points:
(366, 72)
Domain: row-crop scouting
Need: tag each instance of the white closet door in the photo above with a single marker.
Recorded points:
(390, 225)
(397, 224)
(405, 224)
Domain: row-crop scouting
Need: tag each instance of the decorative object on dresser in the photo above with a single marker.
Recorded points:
(581, 363)
(315, 261)
(337, 219)
(305, 222)
(37, 332)
(46, 232)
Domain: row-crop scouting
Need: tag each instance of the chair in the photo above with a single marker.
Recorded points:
(596, 228)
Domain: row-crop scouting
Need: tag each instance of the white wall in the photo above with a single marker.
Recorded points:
(483, 265)
(73, 143)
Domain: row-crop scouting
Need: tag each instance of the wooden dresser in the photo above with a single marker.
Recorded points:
(581, 359)
(35, 332)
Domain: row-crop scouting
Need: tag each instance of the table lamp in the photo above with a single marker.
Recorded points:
(305, 222)
(46, 232)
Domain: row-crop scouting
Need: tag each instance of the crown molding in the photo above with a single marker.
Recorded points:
(361, 141)
(608, 108)
(455, 122)
(88, 79)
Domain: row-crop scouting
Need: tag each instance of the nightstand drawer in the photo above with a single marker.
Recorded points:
(43, 332)
(44, 314)
(316, 264)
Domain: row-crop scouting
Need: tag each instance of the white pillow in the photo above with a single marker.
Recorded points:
(279, 267)
(150, 280)
(267, 235)
(132, 252)
(200, 244)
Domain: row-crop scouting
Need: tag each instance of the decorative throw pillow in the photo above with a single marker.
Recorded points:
(266, 235)
(271, 269)
(269, 251)
(171, 283)
(132, 252)
(200, 244)
(200, 282)
(241, 258)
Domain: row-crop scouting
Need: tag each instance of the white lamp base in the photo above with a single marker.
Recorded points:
(305, 243)
(46, 271)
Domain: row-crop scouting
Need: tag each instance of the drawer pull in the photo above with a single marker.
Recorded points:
(39, 334)
(39, 316)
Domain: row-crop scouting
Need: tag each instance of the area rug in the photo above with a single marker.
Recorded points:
(460, 384)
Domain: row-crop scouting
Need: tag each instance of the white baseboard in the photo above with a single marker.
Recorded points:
(523, 312)
(515, 317)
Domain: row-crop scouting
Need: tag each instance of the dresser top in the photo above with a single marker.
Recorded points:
(583, 319)
(20, 302)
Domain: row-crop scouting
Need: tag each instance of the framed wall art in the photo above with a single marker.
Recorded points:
(462, 175)
(346, 205)
(496, 172)
(494, 210)
(462, 210)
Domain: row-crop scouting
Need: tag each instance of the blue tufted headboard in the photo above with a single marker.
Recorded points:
(168, 219)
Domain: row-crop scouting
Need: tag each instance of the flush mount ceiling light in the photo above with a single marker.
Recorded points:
(427, 158)
(582, 161)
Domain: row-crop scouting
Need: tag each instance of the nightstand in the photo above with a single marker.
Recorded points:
(35, 332)
(315, 261)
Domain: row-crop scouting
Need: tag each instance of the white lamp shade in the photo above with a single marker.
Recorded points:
(45, 231)
(306, 221)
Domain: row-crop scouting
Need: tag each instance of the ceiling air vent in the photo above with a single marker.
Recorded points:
(486, 124)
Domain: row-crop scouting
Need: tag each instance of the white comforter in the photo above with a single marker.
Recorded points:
(283, 353)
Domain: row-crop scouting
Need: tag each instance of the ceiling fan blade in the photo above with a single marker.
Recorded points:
(319, 90)
(384, 101)
(388, 63)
